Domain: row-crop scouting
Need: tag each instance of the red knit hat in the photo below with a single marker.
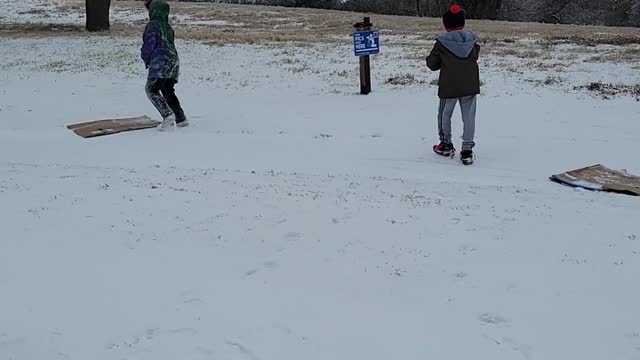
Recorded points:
(454, 18)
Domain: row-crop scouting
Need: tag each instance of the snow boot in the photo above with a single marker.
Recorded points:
(466, 156)
(182, 123)
(168, 122)
(444, 149)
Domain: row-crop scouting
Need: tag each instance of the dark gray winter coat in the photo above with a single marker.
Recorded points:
(455, 54)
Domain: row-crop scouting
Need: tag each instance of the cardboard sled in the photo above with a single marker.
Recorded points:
(112, 126)
(600, 178)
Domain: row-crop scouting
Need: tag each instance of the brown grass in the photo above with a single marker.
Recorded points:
(264, 22)
(506, 52)
(402, 80)
(245, 24)
(607, 91)
(39, 30)
(623, 55)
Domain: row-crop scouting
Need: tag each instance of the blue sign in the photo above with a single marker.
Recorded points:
(366, 43)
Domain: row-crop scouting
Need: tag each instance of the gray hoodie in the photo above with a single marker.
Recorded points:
(459, 42)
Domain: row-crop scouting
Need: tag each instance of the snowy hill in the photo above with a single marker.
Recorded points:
(296, 219)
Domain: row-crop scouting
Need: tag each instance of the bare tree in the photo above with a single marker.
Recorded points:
(481, 9)
(594, 12)
(393, 7)
(98, 15)
(556, 11)
(621, 12)
(634, 14)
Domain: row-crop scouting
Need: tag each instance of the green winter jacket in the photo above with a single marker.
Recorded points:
(158, 49)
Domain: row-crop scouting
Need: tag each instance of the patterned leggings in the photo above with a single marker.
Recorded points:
(162, 94)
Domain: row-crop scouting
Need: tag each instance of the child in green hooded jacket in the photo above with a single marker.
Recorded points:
(161, 58)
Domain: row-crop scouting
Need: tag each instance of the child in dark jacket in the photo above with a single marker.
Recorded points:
(161, 58)
(455, 54)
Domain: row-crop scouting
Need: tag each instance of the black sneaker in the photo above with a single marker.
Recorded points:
(466, 156)
(444, 149)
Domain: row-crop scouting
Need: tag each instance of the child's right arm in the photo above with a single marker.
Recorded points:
(434, 62)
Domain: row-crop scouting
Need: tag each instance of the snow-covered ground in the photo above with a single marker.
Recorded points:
(296, 219)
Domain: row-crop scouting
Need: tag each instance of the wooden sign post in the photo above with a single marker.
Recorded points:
(366, 42)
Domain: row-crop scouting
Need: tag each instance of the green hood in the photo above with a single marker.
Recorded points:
(159, 10)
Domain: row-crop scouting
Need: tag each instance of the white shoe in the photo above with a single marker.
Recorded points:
(183, 123)
(168, 122)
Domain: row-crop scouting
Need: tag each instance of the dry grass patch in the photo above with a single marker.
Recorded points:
(595, 39)
(222, 24)
(556, 66)
(402, 80)
(505, 52)
(310, 24)
(548, 81)
(606, 91)
(625, 55)
(29, 30)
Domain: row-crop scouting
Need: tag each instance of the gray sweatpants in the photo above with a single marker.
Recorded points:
(468, 109)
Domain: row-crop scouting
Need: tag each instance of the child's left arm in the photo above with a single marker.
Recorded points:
(149, 43)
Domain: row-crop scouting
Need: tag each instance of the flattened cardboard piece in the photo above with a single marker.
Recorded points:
(112, 126)
(600, 178)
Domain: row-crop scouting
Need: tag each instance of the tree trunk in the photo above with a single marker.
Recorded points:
(98, 15)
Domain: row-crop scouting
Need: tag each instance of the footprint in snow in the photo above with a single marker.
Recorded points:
(490, 318)
(460, 275)
(268, 265)
(293, 235)
(525, 350)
